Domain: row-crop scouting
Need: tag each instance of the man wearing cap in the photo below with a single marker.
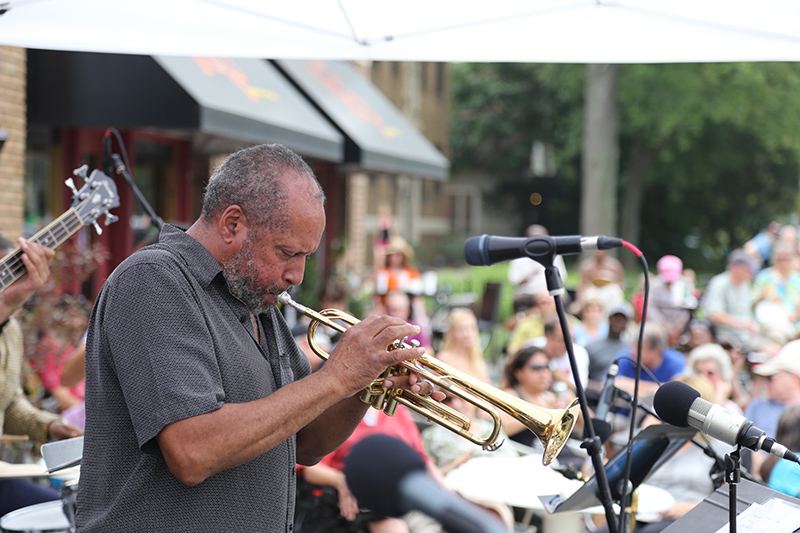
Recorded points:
(671, 297)
(783, 390)
(728, 300)
(603, 352)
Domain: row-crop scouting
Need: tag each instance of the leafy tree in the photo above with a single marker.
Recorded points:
(499, 110)
(708, 152)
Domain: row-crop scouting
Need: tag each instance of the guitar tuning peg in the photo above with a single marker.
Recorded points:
(69, 182)
(97, 228)
(81, 171)
(110, 219)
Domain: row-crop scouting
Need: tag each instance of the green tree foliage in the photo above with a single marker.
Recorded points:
(499, 109)
(708, 152)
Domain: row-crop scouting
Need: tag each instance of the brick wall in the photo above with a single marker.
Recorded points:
(12, 155)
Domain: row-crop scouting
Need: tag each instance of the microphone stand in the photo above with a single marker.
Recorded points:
(591, 441)
(122, 169)
(732, 475)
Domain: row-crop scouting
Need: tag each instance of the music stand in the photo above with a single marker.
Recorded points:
(712, 513)
(62, 454)
(652, 447)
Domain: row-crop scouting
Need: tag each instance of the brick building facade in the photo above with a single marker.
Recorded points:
(13, 128)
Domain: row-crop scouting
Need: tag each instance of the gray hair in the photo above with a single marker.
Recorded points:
(257, 180)
(712, 352)
(655, 336)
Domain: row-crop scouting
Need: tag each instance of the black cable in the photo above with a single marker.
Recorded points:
(123, 168)
(626, 494)
(646, 370)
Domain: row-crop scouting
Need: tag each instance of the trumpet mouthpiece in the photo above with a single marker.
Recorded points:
(284, 298)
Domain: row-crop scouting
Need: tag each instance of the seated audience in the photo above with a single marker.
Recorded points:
(531, 324)
(672, 298)
(603, 352)
(782, 475)
(555, 347)
(776, 291)
(461, 345)
(398, 304)
(714, 363)
(783, 391)
(592, 324)
(728, 299)
(602, 278)
(698, 332)
(528, 376)
(664, 362)
(329, 471)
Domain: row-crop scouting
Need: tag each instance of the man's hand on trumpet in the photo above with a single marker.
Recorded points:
(363, 354)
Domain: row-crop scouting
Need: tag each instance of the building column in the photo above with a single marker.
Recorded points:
(12, 156)
(357, 249)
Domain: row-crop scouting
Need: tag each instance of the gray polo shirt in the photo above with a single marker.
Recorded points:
(168, 341)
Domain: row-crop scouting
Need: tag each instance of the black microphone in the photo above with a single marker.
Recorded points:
(108, 160)
(488, 250)
(602, 428)
(679, 404)
(388, 477)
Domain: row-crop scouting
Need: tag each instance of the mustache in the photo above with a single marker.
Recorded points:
(276, 289)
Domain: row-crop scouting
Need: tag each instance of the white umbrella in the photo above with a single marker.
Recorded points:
(584, 31)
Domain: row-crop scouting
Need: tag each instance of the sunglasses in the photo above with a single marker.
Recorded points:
(539, 367)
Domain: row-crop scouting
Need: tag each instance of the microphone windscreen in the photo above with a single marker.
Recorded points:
(602, 429)
(475, 251)
(374, 469)
(673, 401)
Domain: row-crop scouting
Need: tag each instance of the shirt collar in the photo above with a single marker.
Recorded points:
(199, 260)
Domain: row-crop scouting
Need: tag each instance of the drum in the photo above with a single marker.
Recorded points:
(46, 517)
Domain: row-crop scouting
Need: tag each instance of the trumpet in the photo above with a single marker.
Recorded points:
(551, 426)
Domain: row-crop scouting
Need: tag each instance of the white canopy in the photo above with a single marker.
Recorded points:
(569, 31)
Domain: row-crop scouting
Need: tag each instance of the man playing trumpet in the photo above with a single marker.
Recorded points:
(199, 402)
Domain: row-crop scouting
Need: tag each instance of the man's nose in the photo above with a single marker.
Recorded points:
(295, 271)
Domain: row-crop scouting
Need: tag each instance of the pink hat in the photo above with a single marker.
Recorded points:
(670, 268)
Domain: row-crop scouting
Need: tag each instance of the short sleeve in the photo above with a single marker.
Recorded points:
(164, 361)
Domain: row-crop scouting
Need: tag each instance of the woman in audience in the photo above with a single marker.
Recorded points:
(461, 345)
(777, 291)
(593, 323)
(714, 363)
(529, 377)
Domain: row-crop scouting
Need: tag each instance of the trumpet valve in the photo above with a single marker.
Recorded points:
(391, 405)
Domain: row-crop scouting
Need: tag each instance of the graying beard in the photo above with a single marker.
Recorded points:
(242, 286)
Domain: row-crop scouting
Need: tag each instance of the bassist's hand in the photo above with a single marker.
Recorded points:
(36, 259)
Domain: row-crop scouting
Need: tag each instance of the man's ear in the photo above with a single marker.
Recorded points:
(232, 225)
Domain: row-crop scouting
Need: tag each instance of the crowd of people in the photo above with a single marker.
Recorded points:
(205, 409)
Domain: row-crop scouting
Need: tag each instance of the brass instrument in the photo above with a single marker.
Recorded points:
(551, 426)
